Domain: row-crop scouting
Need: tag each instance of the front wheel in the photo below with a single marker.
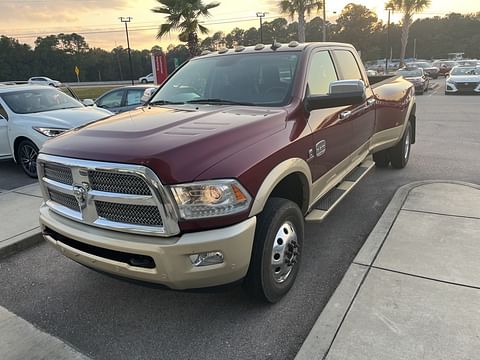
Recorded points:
(27, 157)
(144, 81)
(277, 250)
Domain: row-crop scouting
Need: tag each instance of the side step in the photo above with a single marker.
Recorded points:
(332, 198)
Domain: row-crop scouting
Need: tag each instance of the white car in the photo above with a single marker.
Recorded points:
(42, 80)
(463, 80)
(147, 79)
(30, 115)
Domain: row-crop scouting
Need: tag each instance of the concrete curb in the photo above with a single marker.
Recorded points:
(27, 237)
(20, 242)
(323, 333)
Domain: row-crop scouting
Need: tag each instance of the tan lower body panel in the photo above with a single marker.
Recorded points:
(386, 139)
(173, 267)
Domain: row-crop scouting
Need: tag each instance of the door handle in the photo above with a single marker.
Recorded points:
(345, 115)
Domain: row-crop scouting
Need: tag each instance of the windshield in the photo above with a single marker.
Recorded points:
(465, 71)
(410, 73)
(39, 100)
(421, 65)
(246, 79)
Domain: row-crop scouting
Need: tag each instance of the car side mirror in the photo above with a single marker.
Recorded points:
(342, 93)
(88, 102)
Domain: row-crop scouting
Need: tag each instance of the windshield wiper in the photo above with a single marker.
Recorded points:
(164, 102)
(219, 102)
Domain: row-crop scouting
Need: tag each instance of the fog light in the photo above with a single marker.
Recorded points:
(206, 259)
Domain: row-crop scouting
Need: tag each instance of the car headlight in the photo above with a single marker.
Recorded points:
(50, 132)
(210, 198)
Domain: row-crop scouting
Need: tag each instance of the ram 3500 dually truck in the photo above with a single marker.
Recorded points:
(211, 181)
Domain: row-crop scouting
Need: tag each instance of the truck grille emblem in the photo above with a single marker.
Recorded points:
(80, 192)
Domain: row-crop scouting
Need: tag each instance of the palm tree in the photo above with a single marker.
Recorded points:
(408, 8)
(301, 7)
(184, 15)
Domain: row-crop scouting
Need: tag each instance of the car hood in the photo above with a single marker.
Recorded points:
(66, 118)
(464, 78)
(414, 79)
(178, 143)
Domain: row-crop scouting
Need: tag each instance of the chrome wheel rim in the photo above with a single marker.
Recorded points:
(406, 149)
(285, 252)
(28, 158)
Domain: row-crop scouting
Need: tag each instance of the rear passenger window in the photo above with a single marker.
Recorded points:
(348, 65)
(321, 73)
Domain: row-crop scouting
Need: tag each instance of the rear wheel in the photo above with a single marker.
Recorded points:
(277, 250)
(144, 81)
(400, 153)
(27, 157)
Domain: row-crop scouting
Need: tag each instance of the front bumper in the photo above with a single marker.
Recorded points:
(462, 88)
(172, 265)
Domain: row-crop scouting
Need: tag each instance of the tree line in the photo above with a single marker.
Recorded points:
(57, 55)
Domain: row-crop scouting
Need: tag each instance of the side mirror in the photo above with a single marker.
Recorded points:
(342, 93)
(88, 102)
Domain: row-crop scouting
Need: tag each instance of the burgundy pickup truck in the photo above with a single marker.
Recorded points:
(211, 181)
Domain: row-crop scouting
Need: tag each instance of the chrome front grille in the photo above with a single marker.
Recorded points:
(66, 200)
(129, 214)
(58, 173)
(120, 197)
(118, 183)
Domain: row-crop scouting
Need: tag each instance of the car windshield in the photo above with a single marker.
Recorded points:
(410, 73)
(421, 65)
(465, 71)
(39, 100)
(243, 79)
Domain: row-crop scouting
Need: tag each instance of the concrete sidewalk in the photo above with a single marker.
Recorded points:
(413, 291)
(19, 211)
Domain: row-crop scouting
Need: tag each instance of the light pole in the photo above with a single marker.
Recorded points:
(126, 20)
(324, 21)
(390, 10)
(261, 15)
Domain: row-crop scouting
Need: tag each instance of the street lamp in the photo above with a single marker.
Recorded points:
(126, 20)
(390, 10)
(324, 30)
(261, 15)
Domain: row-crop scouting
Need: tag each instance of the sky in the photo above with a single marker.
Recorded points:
(98, 20)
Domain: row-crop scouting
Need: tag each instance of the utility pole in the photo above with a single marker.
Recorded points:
(261, 15)
(388, 51)
(126, 20)
(415, 49)
(324, 21)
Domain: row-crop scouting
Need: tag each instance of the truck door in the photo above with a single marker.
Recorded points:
(331, 134)
(4, 143)
(362, 116)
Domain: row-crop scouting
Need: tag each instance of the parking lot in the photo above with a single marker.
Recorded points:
(112, 319)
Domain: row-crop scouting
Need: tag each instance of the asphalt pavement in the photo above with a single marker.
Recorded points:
(106, 318)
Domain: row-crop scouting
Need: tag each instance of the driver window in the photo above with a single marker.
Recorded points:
(320, 74)
(114, 99)
(3, 113)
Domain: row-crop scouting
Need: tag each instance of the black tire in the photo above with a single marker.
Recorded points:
(144, 81)
(400, 153)
(27, 157)
(272, 271)
(382, 159)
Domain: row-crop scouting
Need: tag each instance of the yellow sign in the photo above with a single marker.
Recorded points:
(77, 70)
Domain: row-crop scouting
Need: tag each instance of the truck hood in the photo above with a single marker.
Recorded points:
(178, 143)
(65, 118)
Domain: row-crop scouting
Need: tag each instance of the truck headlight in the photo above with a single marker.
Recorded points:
(210, 198)
(50, 132)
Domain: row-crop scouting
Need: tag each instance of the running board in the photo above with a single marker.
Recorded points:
(327, 203)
